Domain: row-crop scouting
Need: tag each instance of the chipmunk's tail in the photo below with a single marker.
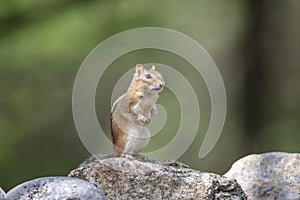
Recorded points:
(117, 136)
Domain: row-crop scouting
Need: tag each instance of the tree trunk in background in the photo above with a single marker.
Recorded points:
(261, 38)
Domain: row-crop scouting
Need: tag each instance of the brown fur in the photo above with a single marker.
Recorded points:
(124, 113)
(118, 138)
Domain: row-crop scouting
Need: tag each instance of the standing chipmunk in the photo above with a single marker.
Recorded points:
(132, 111)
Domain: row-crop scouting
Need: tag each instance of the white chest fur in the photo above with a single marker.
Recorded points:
(145, 103)
(139, 136)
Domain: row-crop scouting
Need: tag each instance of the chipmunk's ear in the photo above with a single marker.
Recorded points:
(139, 69)
(153, 67)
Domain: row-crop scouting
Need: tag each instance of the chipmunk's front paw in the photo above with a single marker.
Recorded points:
(153, 111)
(143, 119)
(148, 121)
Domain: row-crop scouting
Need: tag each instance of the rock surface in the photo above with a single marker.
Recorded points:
(2, 194)
(55, 188)
(268, 176)
(136, 178)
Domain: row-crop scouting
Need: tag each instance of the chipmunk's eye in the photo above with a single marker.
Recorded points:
(148, 76)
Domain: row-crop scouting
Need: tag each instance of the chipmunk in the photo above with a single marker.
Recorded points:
(132, 111)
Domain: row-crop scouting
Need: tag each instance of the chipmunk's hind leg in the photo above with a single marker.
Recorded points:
(117, 151)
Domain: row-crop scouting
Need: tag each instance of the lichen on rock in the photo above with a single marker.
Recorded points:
(134, 178)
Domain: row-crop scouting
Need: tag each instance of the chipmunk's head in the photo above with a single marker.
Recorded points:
(151, 79)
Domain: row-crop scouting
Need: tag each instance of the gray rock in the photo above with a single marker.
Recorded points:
(268, 176)
(93, 158)
(55, 188)
(134, 178)
(2, 194)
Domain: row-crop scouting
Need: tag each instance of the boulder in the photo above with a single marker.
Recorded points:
(268, 176)
(55, 188)
(143, 178)
(2, 194)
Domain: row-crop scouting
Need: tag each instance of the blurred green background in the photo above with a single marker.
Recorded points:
(255, 44)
